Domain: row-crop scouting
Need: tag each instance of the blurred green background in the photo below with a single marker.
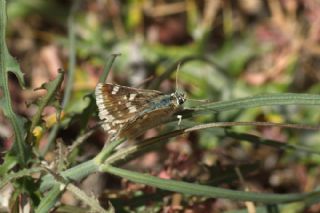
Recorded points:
(232, 49)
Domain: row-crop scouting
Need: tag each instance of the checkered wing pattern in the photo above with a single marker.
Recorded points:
(119, 105)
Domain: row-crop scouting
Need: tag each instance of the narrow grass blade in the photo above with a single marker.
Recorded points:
(261, 100)
(206, 191)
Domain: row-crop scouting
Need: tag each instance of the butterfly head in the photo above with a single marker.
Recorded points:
(178, 98)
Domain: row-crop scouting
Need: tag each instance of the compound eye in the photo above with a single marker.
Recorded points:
(172, 96)
(180, 100)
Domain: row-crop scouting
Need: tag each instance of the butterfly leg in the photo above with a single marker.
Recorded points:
(180, 118)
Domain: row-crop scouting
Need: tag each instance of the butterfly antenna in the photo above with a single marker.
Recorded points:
(177, 72)
(201, 100)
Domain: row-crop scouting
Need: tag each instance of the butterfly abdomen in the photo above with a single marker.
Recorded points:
(158, 103)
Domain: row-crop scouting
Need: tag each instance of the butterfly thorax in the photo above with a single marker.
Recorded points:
(173, 101)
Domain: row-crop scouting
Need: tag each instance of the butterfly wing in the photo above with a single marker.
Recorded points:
(146, 121)
(119, 105)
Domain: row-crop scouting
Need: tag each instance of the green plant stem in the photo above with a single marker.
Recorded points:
(84, 169)
(50, 199)
(107, 150)
(51, 88)
(129, 153)
(20, 146)
(73, 174)
(107, 68)
(51, 138)
(71, 70)
(90, 201)
(72, 54)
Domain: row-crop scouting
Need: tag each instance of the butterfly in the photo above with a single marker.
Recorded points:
(128, 112)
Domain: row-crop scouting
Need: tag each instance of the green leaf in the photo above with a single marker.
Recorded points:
(19, 174)
(204, 190)
(9, 162)
(8, 64)
(49, 200)
(261, 100)
(14, 67)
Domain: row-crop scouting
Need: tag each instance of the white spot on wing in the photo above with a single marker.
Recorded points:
(103, 112)
(99, 101)
(132, 109)
(112, 131)
(119, 122)
(132, 97)
(115, 90)
(128, 104)
(109, 118)
(106, 127)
